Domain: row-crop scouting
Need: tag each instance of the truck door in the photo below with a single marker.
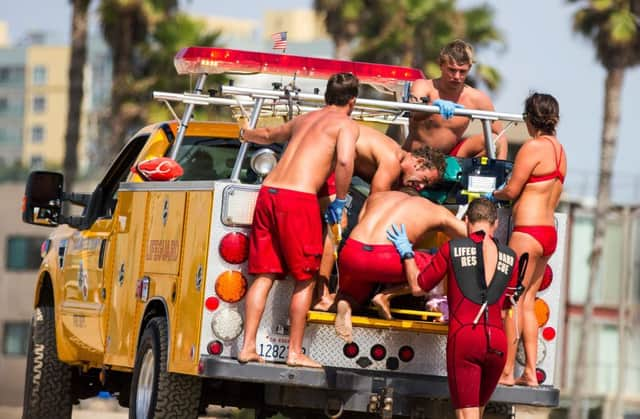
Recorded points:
(88, 259)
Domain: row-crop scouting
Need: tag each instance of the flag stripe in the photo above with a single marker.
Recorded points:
(279, 40)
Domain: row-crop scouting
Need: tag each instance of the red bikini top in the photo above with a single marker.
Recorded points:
(551, 175)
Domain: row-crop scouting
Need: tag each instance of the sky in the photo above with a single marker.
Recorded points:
(542, 54)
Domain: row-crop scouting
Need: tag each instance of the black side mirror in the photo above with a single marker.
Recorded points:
(42, 202)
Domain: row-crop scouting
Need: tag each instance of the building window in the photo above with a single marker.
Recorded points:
(37, 134)
(4, 105)
(39, 104)
(23, 252)
(40, 75)
(16, 338)
(4, 74)
(37, 162)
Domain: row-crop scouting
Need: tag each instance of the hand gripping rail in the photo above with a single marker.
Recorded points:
(284, 98)
(486, 117)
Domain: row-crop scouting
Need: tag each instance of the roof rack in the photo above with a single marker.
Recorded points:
(202, 61)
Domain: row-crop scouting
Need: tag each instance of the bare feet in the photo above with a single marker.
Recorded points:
(324, 303)
(506, 380)
(249, 356)
(300, 360)
(381, 302)
(343, 321)
(525, 380)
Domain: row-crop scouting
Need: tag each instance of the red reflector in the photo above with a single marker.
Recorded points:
(215, 347)
(547, 277)
(549, 333)
(540, 375)
(406, 354)
(351, 350)
(200, 367)
(212, 303)
(378, 352)
(234, 247)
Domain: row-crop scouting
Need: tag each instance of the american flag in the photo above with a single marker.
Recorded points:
(279, 40)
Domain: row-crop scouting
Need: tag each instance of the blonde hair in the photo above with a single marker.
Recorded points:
(457, 51)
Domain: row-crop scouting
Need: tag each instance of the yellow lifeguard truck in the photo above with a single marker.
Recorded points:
(142, 295)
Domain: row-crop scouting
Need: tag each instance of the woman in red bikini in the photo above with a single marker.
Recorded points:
(535, 186)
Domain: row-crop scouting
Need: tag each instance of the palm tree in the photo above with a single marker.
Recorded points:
(342, 20)
(613, 27)
(126, 25)
(409, 32)
(79, 25)
(158, 72)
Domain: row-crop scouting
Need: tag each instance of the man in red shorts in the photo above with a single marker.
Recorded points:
(368, 258)
(445, 131)
(480, 271)
(286, 236)
(385, 165)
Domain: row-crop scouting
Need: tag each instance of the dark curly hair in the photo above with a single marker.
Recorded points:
(432, 159)
(542, 112)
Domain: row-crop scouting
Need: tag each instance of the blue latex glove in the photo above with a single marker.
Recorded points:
(490, 197)
(447, 107)
(398, 236)
(333, 215)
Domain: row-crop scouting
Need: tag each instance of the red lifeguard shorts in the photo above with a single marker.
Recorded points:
(456, 149)
(286, 235)
(361, 266)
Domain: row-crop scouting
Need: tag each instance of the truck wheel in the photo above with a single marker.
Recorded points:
(47, 390)
(155, 392)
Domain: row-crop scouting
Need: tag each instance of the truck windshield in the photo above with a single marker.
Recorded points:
(208, 158)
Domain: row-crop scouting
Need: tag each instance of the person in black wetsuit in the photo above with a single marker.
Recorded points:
(480, 271)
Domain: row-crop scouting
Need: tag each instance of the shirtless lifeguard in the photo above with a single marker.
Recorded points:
(286, 235)
(385, 165)
(444, 131)
(369, 258)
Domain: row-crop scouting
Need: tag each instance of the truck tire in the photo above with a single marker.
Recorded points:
(155, 392)
(47, 390)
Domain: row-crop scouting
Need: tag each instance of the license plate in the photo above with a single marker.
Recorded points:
(274, 348)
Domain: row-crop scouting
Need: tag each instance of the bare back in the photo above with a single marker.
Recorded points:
(418, 214)
(435, 131)
(538, 201)
(310, 154)
(377, 159)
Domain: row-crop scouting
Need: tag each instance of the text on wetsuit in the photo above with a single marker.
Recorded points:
(467, 256)
(505, 262)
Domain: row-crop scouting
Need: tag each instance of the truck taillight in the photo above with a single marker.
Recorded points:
(540, 375)
(231, 286)
(547, 278)
(226, 324)
(406, 353)
(215, 347)
(549, 333)
(212, 303)
(541, 308)
(234, 247)
(351, 350)
(378, 352)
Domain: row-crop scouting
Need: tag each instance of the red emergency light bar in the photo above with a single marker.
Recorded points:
(199, 60)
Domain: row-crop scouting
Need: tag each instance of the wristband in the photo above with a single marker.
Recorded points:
(408, 256)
